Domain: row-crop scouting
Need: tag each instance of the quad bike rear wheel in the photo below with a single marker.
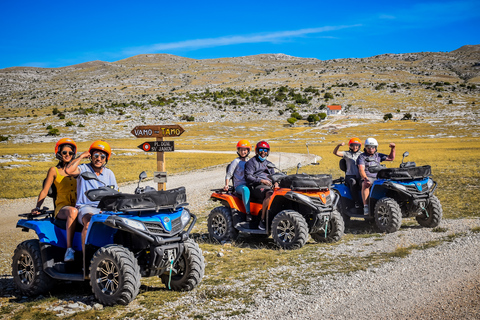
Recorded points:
(435, 213)
(220, 224)
(335, 229)
(289, 230)
(188, 270)
(114, 275)
(27, 269)
(388, 216)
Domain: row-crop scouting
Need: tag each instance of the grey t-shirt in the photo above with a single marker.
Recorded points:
(351, 159)
(377, 157)
(237, 171)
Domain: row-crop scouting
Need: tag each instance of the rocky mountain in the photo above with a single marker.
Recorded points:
(165, 87)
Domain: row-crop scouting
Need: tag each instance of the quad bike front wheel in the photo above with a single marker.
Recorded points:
(114, 275)
(435, 213)
(289, 230)
(335, 229)
(27, 269)
(388, 215)
(220, 224)
(188, 270)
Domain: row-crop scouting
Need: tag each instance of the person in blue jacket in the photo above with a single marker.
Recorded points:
(256, 175)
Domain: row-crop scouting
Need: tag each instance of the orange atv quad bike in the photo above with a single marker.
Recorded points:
(302, 204)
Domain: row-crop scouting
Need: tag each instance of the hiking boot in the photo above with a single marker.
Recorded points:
(366, 211)
(249, 217)
(261, 225)
(69, 255)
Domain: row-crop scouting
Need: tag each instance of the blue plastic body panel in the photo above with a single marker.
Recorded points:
(98, 234)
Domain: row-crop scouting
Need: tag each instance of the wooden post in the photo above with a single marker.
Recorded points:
(161, 165)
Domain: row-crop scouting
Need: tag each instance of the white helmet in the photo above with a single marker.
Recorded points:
(371, 142)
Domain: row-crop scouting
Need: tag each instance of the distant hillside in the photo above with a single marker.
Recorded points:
(162, 87)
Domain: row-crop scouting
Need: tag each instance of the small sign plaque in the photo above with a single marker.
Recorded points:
(174, 130)
(160, 177)
(157, 146)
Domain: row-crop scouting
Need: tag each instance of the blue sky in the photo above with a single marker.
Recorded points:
(60, 33)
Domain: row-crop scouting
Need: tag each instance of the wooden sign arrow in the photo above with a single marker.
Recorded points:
(157, 146)
(159, 131)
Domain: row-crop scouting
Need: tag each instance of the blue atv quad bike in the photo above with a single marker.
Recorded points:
(135, 235)
(407, 191)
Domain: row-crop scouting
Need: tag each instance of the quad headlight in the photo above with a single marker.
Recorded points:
(429, 184)
(134, 224)
(185, 217)
(400, 186)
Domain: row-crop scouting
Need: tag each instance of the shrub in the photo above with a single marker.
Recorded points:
(296, 115)
(292, 120)
(49, 127)
(55, 111)
(53, 132)
(387, 116)
(328, 95)
(322, 115)
(4, 138)
(280, 112)
(69, 124)
(407, 116)
(313, 118)
(267, 101)
(61, 116)
(81, 125)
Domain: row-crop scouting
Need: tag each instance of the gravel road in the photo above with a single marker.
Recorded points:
(442, 282)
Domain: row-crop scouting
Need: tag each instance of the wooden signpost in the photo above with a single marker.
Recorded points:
(159, 146)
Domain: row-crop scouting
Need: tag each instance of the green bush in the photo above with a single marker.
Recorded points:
(313, 118)
(49, 127)
(296, 115)
(55, 111)
(292, 120)
(4, 138)
(322, 115)
(81, 125)
(387, 116)
(69, 124)
(53, 132)
(328, 95)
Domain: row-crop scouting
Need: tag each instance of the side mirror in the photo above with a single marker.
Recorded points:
(405, 154)
(142, 175)
(299, 165)
(271, 166)
(89, 175)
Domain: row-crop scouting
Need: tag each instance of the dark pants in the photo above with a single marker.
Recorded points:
(354, 184)
(259, 192)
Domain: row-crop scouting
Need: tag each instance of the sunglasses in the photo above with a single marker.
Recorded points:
(99, 155)
(68, 152)
(262, 150)
(370, 147)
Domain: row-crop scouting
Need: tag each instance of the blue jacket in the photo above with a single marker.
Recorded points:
(255, 170)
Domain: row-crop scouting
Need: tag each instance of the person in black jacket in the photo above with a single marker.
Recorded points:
(256, 176)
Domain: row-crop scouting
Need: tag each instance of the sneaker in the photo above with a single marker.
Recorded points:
(366, 211)
(261, 225)
(69, 255)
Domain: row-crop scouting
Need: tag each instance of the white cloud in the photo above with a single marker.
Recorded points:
(274, 37)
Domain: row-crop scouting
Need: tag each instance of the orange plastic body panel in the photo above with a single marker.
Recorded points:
(255, 208)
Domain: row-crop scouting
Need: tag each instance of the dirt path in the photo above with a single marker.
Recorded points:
(442, 282)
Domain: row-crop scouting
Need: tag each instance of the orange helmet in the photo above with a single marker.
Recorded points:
(355, 140)
(244, 144)
(62, 142)
(101, 146)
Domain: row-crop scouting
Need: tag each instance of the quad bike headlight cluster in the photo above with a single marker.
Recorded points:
(185, 217)
(430, 184)
(134, 224)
